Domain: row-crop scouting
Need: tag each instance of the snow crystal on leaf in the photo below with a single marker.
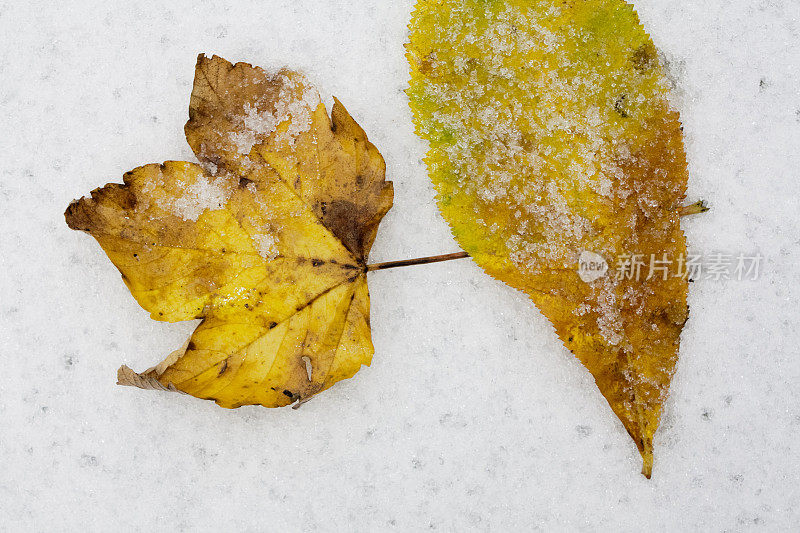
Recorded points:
(286, 116)
(266, 245)
(189, 195)
(204, 193)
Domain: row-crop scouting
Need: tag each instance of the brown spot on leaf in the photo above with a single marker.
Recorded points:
(619, 106)
(645, 57)
(346, 220)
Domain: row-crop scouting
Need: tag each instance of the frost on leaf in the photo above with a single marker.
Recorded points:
(266, 240)
(551, 134)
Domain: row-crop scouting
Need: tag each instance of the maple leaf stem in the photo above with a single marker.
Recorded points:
(418, 261)
(694, 209)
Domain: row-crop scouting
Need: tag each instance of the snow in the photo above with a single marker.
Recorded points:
(266, 245)
(473, 416)
(202, 193)
(296, 101)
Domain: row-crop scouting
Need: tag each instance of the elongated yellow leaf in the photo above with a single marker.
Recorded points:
(552, 137)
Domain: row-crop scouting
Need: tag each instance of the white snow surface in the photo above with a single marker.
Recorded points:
(473, 416)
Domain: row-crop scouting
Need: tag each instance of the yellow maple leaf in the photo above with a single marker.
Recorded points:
(551, 136)
(266, 240)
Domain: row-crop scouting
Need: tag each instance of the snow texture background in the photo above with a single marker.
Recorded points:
(473, 415)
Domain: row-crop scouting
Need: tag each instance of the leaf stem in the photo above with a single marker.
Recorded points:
(694, 209)
(418, 261)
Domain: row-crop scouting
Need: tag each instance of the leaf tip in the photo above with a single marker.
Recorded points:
(126, 376)
(647, 463)
(70, 214)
